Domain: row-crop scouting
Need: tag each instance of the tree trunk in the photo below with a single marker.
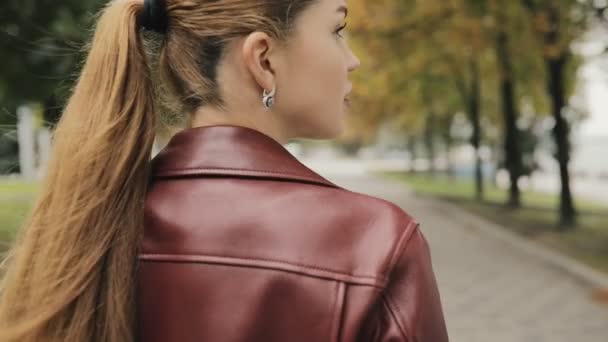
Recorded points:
(512, 149)
(555, 68)
(556, 64)
(447, 142)
(429, 142)
(474, 111)
(411, 146)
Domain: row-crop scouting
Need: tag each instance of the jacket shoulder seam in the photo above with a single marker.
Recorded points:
(400, 246)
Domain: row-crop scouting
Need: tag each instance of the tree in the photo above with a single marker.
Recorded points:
(463, 46)
(512, 149)
(556, 25)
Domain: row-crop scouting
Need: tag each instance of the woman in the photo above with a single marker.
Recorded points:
(224, 236)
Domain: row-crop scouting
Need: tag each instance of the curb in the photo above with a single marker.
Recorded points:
(576, 269)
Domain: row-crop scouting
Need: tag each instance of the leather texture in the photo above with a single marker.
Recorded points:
(243, 242)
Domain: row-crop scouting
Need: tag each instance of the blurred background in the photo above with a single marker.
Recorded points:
(485, 118)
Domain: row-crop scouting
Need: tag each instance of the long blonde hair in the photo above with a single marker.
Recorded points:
(71, 271)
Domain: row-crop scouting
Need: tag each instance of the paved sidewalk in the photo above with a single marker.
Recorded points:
(491, 291)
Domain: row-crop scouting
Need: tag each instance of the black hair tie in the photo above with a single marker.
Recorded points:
(154, 16)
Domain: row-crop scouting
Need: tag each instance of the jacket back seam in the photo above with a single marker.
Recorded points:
(314, 271)
(339, 311)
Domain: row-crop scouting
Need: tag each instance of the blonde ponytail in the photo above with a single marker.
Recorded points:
(71, 272)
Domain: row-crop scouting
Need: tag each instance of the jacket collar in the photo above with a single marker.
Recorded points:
(231, 151)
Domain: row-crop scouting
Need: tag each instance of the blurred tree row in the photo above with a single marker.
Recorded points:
(41, 43)
(426, 61)
(41, 47)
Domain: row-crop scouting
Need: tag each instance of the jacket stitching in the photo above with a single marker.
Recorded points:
(167, 172)
(264, 259)
(332, 324)
(231, 169)
(400, 246)
(392, 308)
(392, 305)
(339, 311)
(236, 169)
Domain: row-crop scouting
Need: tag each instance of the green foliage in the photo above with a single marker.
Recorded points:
(41, 43)
(15, 201)
(406, 44)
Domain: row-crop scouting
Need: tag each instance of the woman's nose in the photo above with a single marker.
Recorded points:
(354, 61)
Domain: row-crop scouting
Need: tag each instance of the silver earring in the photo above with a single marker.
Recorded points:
(268, 98)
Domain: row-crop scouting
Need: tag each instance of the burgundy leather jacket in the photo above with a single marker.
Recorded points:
(244, 243)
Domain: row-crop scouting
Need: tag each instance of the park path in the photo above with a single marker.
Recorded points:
(491, 291)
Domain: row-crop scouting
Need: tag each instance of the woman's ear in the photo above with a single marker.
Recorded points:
(260, 54)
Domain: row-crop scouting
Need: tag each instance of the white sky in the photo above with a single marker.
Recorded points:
(595, 84)
(596, 93)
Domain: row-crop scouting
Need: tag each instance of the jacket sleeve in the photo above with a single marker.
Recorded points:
(411, 305)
